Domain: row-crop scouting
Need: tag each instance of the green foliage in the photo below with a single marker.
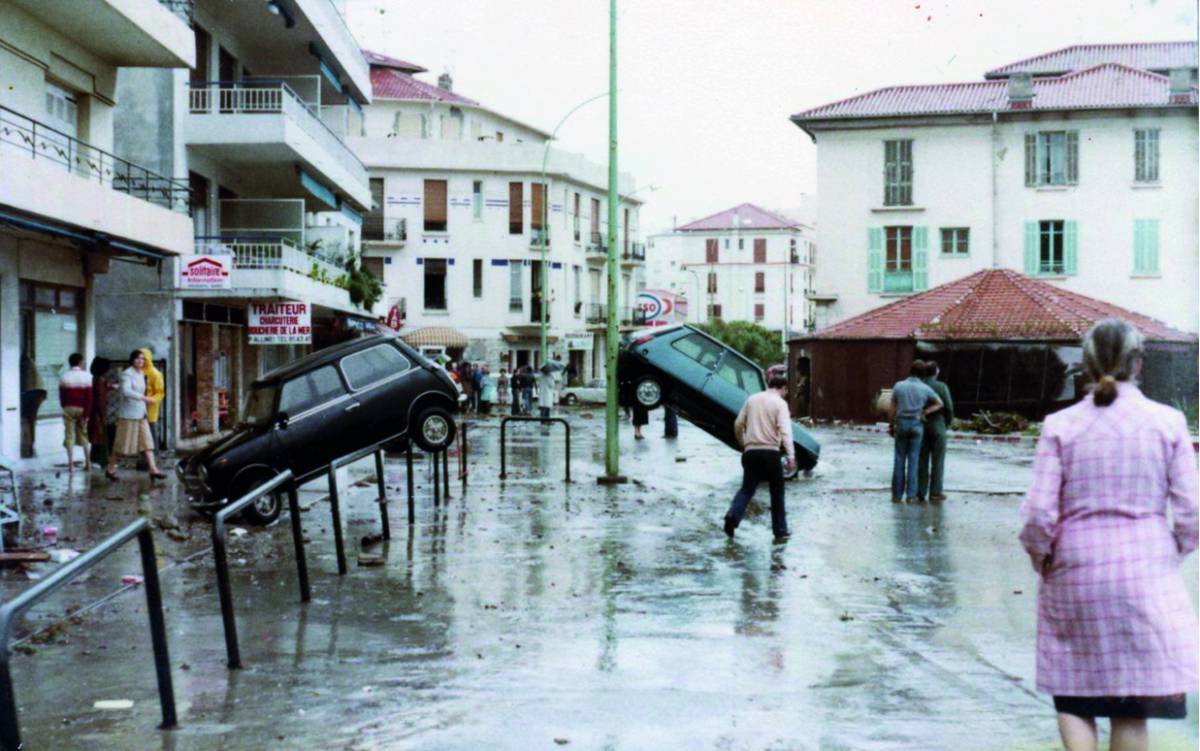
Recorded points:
(754, 341)
(364, 287)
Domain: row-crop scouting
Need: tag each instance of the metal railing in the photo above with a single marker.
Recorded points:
(636, 252)
(10, 736)
(544, 421)
(898, 281)
(539, 237)
(597, 244)
(597, 312)
(273, 486)
(335, 503)
(377, 229)
(271, 96)
(633, 317)
(23, 135)
(271, 254)
(185, 9)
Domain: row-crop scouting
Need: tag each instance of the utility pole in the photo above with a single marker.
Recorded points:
(612, 448)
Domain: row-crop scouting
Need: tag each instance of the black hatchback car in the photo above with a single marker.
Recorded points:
(319, 408)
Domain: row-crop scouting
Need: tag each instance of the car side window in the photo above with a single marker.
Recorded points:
(373, 365)
(740, 373)
(304, 392)
(700, 348)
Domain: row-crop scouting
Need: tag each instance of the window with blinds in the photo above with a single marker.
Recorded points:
(760, 250)
(435, 206)
(537, 192)
(516, 208)
(711, 251)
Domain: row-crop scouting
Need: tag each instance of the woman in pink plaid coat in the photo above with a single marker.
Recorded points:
(1117, 636)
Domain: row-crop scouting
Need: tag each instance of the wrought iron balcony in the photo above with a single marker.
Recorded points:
(597, 312)
(539, 238)
(377, 229)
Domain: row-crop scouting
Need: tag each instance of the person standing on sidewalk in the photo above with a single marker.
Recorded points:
(931, 467)
(75, 395)
(762, 427)
(133, 432)
(912, 402)
(156, 389)
(1116, 633)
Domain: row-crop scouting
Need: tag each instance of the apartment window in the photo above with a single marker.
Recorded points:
(625, 233)
(712, 282)
(1052, 158)
(477, 277)
(575, 221)
(499, 137)
(595, 217)
(955, 241)
(760, 250)
(793, 253)
(578, 279)
(727, 243)
(760, 281)
(435, 205)
(516, 294)
(897, 259)
(373, 224)
(715, 312)
(435, 283)
(477, 199)
(516, 208)
(711, 251)
(1145, 247)
(899, 249)
(759, 312)
(1145, 155)
(741, 243)
(897, 173)
(538, 193)
(199, 74)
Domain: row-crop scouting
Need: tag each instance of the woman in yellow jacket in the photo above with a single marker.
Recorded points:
(156, 389)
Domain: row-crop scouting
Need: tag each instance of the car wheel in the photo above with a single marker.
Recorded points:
(265, 509)
(648, 393)
(789, 475)
(434, 430)
(572, 400)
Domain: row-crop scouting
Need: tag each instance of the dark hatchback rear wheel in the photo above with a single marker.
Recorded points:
(648, 393)
(434, 430)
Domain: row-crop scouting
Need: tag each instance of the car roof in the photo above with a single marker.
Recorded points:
(323, 357)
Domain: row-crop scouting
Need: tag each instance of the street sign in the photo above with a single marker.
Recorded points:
(578, 341)
(280, 323)
(205, 271)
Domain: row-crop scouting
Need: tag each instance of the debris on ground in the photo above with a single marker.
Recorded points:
(19, 557)
(238, 532)
(63, 555)
(369, 540)
(131, 579)
(111, 704)
(371, 560)
(992, 423)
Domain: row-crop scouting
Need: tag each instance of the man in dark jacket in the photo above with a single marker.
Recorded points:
(931, 467)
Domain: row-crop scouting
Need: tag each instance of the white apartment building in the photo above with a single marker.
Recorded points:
(741, 264)
(1078, 167)
(463, 225)
(257, 130)
(71, 211)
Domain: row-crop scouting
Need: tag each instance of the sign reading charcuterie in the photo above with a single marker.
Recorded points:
(280, 323)
(205, 271)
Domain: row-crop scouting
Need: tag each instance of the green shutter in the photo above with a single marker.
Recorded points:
(1139, 246)
(1030, 160)
(1151, 245)
(920, 258)
(1031, 248)
(1072, 157)
(1070, 248)
(875, 259)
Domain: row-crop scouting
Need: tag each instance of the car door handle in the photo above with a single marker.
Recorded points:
(352, 407)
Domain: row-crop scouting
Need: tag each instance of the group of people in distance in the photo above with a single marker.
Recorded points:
(483, 389)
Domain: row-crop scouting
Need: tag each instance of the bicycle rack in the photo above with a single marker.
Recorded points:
(543, 420)
(10, 737)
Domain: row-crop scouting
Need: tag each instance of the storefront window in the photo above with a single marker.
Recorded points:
(51, 329)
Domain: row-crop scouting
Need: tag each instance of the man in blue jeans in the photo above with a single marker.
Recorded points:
(912, 400)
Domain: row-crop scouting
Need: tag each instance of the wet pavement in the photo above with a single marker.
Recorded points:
(532, 614)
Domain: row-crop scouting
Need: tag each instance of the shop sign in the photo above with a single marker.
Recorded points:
(205, 272)
(395, 319)
(280, 323)
(578, 341)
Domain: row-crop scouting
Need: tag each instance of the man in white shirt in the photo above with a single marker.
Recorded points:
(764, 431)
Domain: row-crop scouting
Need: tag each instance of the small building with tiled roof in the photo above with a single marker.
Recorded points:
(1078, 167)
(1003, 340)
(743, 216)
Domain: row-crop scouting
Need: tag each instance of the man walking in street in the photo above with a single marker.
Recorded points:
(75, 395)
(931, 467)
(763, 427)
(912, 401)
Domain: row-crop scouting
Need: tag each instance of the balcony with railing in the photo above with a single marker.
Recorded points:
(52, 174)
(634, 254)
(266, 266)
(597, 247)
(596, 313)
(539, 238)
(377, 229)
(632, 317)
(897, 282)
(263, 124)
(121, 33)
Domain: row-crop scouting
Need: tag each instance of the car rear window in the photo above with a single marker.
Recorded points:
(310, 390)
(700, 348)
(740, 373)
(373, 365)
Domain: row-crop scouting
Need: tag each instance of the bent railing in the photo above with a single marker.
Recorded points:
(543, 420)
(335, 502)
(10, 737)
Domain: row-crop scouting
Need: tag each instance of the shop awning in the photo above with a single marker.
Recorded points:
(436, 336)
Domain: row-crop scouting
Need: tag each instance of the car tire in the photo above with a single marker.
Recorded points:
(648, 393)
(571, 400)
(264, 510)
(795, 469)
(434, 430)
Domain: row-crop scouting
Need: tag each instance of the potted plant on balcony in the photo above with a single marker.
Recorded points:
(364, 287)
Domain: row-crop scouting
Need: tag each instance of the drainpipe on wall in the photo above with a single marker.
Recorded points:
(995, 158)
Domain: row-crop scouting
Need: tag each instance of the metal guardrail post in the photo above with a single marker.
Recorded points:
(383, 500)
(412, 515)
(10, 736)
(542, 420)
(445, 473)
(463, 454)
(437, 480)
(335, 512)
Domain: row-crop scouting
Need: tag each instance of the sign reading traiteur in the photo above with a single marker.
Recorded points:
(280, 323)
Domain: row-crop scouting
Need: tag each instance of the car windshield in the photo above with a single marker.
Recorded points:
(260, 404)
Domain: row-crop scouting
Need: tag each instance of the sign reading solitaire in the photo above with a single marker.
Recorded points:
(280, 323)
(205, 272)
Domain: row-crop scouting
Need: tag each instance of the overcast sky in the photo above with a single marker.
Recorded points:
(706, 87)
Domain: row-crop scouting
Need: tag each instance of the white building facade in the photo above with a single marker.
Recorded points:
(741, 264)
(1082, 176)
(256, 128)
(463, 228)
(71, 210)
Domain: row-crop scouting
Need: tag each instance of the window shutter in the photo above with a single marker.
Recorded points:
(1030, 160)
(538, 193)
(1031, 248)
(1070, 248)
(875, 259)
(516, 208)
(1139, 246)
(1151, 245)
(1072, 157)
(920, 258)
(435, 205)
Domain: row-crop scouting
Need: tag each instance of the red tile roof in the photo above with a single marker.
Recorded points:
(993, 305)
(1101, 87)
(376, 59)
(742, 216)
(1158, 56)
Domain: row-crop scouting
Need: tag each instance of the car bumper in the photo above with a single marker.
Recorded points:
(196, 488)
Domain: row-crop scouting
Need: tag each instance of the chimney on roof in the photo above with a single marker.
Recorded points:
(446, 82)
(1181, 85)
(1020, 91)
